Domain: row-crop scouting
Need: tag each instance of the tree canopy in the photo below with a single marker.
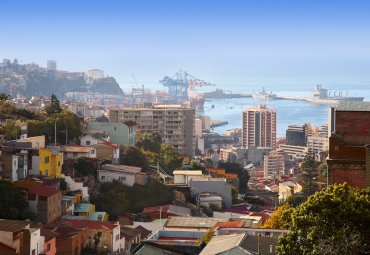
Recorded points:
(170, 157)
(335, 220)
(239, 170)
(150, 141)
(13, 203)
(54, 106)
(309, 173)
(133, 156)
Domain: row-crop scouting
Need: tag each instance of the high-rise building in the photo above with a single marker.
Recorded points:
(51, 65)
(274, 164)
(295, 135)
(259, 127)
(173, 122)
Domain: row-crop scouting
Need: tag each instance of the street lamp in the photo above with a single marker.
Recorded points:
(55, 132)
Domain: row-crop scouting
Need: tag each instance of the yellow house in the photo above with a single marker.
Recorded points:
(84, 209)
(50, 163)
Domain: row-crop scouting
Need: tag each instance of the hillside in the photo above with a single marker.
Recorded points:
(30, 79)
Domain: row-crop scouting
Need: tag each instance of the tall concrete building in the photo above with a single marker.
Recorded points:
(51, 65)
(259, 127)
(274, 164)
(295, 135)
(173, 122)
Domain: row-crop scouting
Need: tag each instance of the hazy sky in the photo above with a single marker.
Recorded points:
(227, 42)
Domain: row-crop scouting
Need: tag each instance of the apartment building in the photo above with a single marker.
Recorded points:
(274, 164)
(173, 122)
(259, 127)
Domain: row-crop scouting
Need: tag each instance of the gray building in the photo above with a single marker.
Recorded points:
(173, 122)
(215, 185)
(119, 133)
(295, 135)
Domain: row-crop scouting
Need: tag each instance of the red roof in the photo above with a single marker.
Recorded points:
(112, 145)
(229, 224)
(264, 216)
(43, 190)
(157, 209)
(91, 224)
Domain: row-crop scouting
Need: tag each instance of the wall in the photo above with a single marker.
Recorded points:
(109, 176)
(218, 186)
(118, 132)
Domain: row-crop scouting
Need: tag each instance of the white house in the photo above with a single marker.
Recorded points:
(128, 175)
(77, 151)
(184, 176)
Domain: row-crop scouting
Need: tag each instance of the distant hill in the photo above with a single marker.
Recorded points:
(30, 79)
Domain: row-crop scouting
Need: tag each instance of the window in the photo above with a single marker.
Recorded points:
(122, 178)
(88, 142)
(48, 247)
(34, 252)
(117, 237)
(92, 151)
(47, 159)
(74, 154)
(102, 177)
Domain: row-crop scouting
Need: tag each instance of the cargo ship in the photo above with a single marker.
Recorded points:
(219, 93)
(264, 95)
(324, 96)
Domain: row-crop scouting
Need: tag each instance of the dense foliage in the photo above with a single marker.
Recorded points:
(333, 221)
(150, 141)
(309, 173)
(13, 203)
(116, 198)
(240, 171)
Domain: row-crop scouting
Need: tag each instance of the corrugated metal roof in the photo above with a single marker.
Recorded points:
(353, 106)
(222, 243)
(193, 222)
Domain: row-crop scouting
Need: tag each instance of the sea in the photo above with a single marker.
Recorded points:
(288, 112)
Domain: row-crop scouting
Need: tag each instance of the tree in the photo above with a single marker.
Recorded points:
(335, 220)
(170, 157)
(54, 106)
(309, 173)
(5, 97)
(133, 156)
(150, 141)
(13, 203)
(243, 174)
(85, 167)
(276, 220)
(207, 237)
(12, 130)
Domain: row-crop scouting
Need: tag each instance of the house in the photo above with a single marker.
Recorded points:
(19, 238)
(119, 133)
(83, 209)
(49, 162)
(107, 150)
(15, 159)
(184, 176)
(45, 202)
(130, 237)
(68, 240)
(49, 242)
(287, 189)
(164, 211)
(78, 151)
(110, 236)
(240, 244)
(198, 224)
(128, 175)
(37, 142)
(213, 185)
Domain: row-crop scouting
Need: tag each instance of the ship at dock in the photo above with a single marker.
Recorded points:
(324, 96)
(219, 93)
(263, 95)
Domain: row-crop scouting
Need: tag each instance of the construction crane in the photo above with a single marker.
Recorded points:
(179, 84)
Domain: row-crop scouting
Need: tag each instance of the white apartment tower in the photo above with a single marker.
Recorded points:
(259, 127)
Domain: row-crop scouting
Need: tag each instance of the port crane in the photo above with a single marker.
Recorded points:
(179, 84)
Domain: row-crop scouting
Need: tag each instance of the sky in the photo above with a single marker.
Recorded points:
(239, 44)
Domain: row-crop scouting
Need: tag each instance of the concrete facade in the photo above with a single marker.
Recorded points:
(173, 122)
(215, 185)
(119, 132)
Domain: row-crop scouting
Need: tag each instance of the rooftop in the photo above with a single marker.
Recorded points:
(13, 225)
(91, 224)
(76, 148)
(44, 191)
(222, 243)
(82, 207)
(188, 172)
(120, 168)
(353, 106)
(193, 222)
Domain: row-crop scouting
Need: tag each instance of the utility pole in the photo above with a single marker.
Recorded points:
(55, 132)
